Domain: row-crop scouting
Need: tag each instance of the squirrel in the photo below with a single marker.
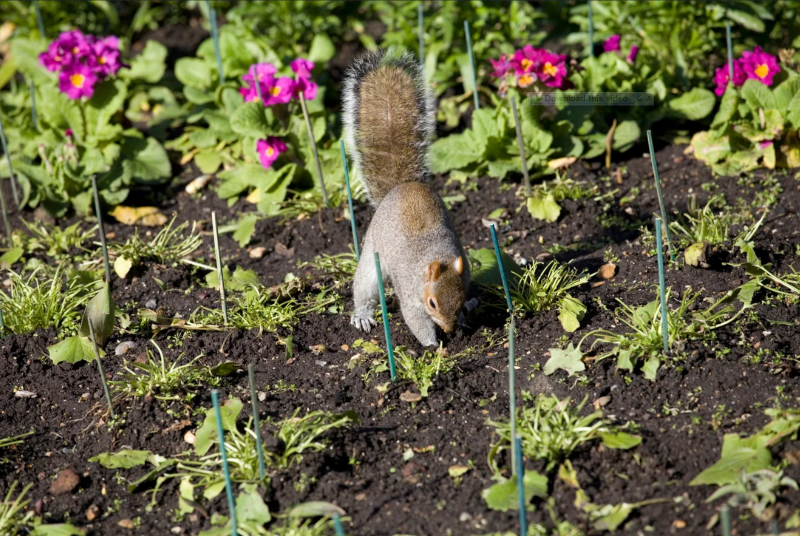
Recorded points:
(388, 124)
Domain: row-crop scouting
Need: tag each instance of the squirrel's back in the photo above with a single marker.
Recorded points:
(388, 121)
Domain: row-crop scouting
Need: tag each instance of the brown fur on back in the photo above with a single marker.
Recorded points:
(389, 142)
(422, 209)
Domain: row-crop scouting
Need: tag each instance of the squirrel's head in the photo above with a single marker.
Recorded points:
(444, 292)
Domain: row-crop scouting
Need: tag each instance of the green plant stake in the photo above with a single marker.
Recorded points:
(32, 90)
(212, 18)
(251, 378)
(662, 287)
(502, 269)
(314, 148)
(258, 87)
(773, 528)
(521, 144)
(39, 21)
(10, 169)
(219, 268)
(421, 33)
(591, 30)
(472, 64)
(725, 521)
(224, 455)
(337, 525)
(512, 391)
(389, 347)
(100, 370)
(523, 515)
(730, 51)
(102, 231)
(5, 216)
(2, 322)
(660, 195)
(350, 202)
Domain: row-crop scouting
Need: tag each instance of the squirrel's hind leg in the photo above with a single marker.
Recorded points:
(365, 293)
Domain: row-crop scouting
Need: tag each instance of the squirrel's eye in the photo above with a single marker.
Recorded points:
(432, 303)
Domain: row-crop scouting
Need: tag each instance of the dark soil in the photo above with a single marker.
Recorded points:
(363, 470)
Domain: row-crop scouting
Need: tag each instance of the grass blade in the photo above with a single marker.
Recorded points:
(388, 333)
(350, 202)
(472, 64)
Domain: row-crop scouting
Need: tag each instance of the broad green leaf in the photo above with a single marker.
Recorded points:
(146, 161)
(149, 65)
(650, 367)
(124, 459)
(785, 92)
(757, 95)
(620, 440)
(194, 72)
(748, 454)
(748, 20)
(610, 517)
(710, 148)
(58, 529)
(72, 350)
(455, 152)
(250, 506)
(11, 256)
(727, 107)
(245, 229)
(504, 496)
(122, 266)
(322, 49)
(569, 360)
(544, 207)
(483, 124)
(100, 312)
(316, 509)
(208, 161)
(107, 100)
(694, 104)
(625, 135)
(206, 435)
(793, 111)
(483, 263)
(250, 120)
(571, 312)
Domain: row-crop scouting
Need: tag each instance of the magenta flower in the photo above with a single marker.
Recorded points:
(269, 150)
(260, 71)
(303, 83)
(760, 66)
(633, 53)
(77, 81)
(612, 43)
(524, 62)
(280, 92)
(68, 133)
(765, 144)
(501, 67)
(552, 69)
(54, 59)
(722, 74)
(303, 67)
(106, 56)
(74, 43)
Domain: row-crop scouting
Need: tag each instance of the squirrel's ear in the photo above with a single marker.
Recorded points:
(458, 265)
(432, 272)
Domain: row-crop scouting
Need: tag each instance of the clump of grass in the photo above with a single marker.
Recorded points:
(54, 241)
(551, 430)
(542, 287)
(31, 304)
(161, 379)
(703, 225)
(12, 516)
(340, 267)
(167, 247)
(420, 370)
(757, 491)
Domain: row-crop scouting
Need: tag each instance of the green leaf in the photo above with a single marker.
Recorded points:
(243, 279)
(58, 529)
(571, 312)
(785, 92)
(72, 350)
(544, 207)
(483, 123)
(207, 434)
(245, 229)
(620, 440)
(146, 161)
(149, 65)
(250, 506)
(710, 148)
(756, 95)
(748, 20)
(625, 135)
(504, 496)
(11, 256)
(485, 271)
(107, 100)
(122, 266)
(250, 120)
(748, 454)
(650, 367)
(194, 72)
(611, 517)
(727, 107)
(316, 509)
(124, 459)
(694, 104)
(100, 312)
(793, 111)
(569, 360)
(208, 161)
(455, 152)
(322, 49)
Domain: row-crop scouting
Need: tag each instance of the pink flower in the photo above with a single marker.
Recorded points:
(74, 43)
(552, 69)
(77, 81)
(260, 71)
(68, 133)
(106, 56)
(501, 66)
(55, 58)
(279, 92)
(722, 74)
(760, 66)
(611, 44)
(633, 53)
(303, 67)
(532, 64)
(269, 150)
(765, 144)
(303, 82)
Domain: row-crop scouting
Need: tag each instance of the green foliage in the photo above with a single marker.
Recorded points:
(341, 267)
(14, 519)
(703, 225)
(167, 247)
(73, 350)
(52, 240)
(543, 202)
(33, 303)
(756, 491)
(551, 430)
(421, 370)
(504, 495)
(485, 270)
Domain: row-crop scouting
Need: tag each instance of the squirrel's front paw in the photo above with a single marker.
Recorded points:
(363, 321)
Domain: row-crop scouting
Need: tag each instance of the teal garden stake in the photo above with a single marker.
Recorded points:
(337, 526)
(382, 293)
(212, 18)
(251, 378)
(350, 202)
(660, 195)
(224, 455)
(219, 268)
(472, 64)
(662, 291)
(730, 51)
(39, 21)
(10, 168)
(725, 520)
(421, 33)
(523, 515)
(591, 29)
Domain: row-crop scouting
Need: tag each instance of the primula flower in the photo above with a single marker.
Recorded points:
(633, 53)
(501, 66)
(524, 63)
(55, 58)
(280, 92)
(269, 150)
(106, 56)
(552, 68)
(304, 84)
(77, 81)
(722, 74)
(260, 71)
(612, 43)
(765, 144)
(74, 43)
(760, 66)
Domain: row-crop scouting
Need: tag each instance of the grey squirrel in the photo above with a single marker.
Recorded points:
(388, 123)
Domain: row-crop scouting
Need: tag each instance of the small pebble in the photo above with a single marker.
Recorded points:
(92, 512)
(189, 437)
(151, 304)
(321, 363)
(98, 395)
(126, 523)
(66, 481)
(257, 253)
(24, 394)
(124, 347)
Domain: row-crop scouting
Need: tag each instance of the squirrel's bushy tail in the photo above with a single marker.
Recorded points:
(388, 120)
